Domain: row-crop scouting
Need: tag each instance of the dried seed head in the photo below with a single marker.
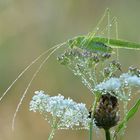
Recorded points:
(106, 113)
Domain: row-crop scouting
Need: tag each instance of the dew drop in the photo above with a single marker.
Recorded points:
(97, 28)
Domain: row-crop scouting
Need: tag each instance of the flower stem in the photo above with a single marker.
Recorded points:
(92, 117)
(54, 127)
(107, 134)
(51, 134)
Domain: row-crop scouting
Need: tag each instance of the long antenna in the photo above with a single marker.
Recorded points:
(33, 77)
(34, 61)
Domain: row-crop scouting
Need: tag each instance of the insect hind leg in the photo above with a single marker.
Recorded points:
(92, 34)
(114, 21)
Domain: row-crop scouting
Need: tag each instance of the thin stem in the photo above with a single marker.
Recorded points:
(92, 116)
(54, 127)
(107, 134)
(51, 134)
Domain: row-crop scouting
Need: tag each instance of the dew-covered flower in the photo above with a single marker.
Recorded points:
(129, 79)
(67, 113)
(113, 84)
(39, 101)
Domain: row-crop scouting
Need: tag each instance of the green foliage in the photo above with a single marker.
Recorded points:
(128, 116)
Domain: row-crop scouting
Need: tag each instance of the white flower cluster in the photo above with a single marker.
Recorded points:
(115, 84)
(112, 84)
(131, 80)
(68, 113)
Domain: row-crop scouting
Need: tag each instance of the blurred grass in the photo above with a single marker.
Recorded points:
(28, 28)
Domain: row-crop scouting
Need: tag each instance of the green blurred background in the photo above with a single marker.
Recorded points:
(28, 28)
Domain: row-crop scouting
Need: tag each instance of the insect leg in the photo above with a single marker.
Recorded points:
(96, 29)
(113, 22)
(117, 36)
(108, 23)
(91, 35)
(106, 27)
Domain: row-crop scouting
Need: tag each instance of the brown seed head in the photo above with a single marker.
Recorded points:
(106, 113)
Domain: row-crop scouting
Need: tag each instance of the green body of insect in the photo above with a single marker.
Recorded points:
(89, 44)
(100, 44)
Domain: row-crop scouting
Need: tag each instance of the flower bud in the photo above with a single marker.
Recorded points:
(106, 72)
(116, 64)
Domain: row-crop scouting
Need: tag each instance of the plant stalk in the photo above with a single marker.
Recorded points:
(51, 134)
(92, 117)
(54, 127)
(107, 134)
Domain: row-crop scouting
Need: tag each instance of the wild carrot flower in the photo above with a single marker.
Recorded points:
(65, 112)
